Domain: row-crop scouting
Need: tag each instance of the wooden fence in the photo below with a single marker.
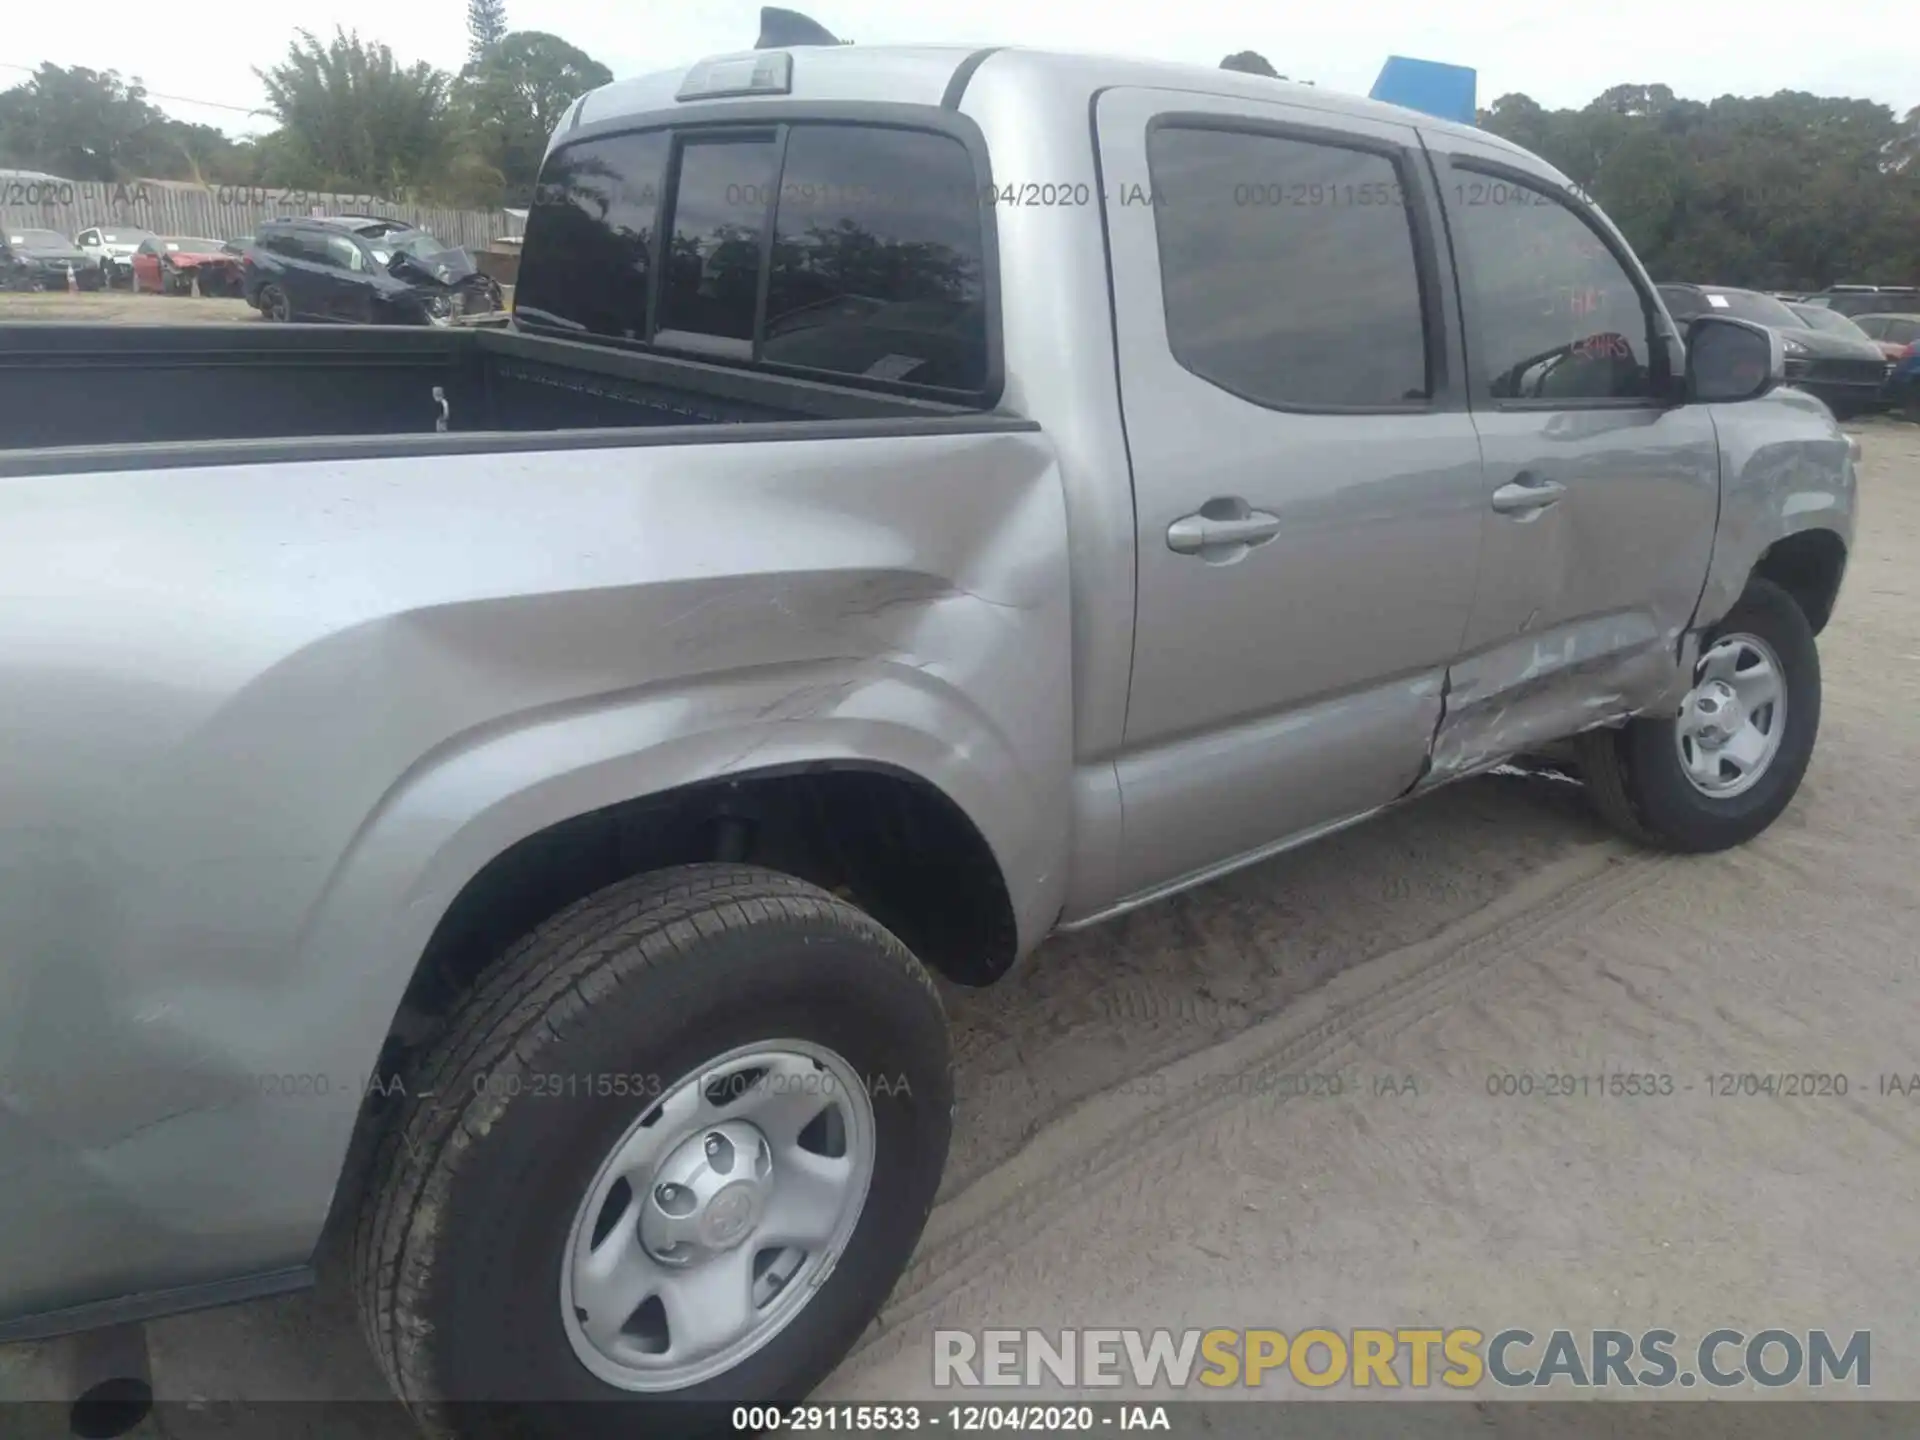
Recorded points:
(218, 212)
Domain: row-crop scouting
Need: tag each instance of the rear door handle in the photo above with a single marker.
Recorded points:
(1525, 495)
(1198, 534)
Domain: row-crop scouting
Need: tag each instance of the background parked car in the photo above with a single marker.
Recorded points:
(1867, 299)
(1890, 332)
(1831, 322)
(1846, 371)
(365, 270)
(111, 247)
(174, 264)
(1899, 337)
(42, 260)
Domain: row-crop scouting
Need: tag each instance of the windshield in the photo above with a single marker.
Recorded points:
(40, 240)
(1745, 305)
(446, 263)
(191, 244)
(1818, 317)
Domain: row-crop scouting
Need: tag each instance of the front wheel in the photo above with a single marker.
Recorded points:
(1721, 770)
(674, 1151)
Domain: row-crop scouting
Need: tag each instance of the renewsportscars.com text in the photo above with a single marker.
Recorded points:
(1460, 1358)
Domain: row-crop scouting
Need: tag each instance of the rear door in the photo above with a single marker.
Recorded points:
(1601, 492)
(348, 280)
(1307, 481)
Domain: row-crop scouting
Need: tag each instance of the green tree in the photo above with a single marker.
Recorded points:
(83, 124)
(512, 100)
(486, 27)
(1788, 191)
(352, 118)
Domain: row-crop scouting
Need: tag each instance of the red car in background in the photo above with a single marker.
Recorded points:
(175, 264)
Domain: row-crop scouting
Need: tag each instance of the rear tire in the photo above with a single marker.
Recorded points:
(274, 305)
(1638, 776)
(510, 1126)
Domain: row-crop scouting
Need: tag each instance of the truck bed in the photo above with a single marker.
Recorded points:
(111, 397)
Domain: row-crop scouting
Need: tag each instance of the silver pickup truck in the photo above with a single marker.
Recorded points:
(498, 796)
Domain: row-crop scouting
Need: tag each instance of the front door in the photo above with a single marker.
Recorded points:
(1601, 490)
(1306, 475)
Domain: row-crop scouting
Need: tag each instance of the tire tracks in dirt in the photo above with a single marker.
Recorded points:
(1102, 1150)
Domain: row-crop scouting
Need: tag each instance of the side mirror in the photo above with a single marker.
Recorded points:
(1730, 360)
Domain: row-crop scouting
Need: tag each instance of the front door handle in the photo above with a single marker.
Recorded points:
(1206, 535)
(1525, 495)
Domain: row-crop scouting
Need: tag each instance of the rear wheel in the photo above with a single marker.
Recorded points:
(674, 1151)
(274, 305)
(1723, 767)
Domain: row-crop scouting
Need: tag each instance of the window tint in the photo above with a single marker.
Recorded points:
(340, 252)
(1682, 304)
(1559, 319)
(1903, 332)
(877, 258)
(720, 203)
(589, 245)
(1288, 268)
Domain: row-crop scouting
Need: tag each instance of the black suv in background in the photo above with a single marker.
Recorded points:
(1853, 300)
(1846, 371)
(361, 270)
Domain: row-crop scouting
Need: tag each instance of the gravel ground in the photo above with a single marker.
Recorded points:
(1101, 1175)
(123, 307)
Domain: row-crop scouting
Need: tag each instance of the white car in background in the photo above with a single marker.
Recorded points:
(113, 247)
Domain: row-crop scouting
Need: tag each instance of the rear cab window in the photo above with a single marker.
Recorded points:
(846, 250)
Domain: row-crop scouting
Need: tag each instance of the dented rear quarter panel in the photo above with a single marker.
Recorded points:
(263, 722)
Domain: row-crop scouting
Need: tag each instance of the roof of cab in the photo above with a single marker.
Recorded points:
(922, 75)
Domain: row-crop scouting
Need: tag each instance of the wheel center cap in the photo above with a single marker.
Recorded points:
(1713, 706)
(730, 1214)
(709, 1194)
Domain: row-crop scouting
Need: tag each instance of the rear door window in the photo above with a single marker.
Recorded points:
(1288, 269)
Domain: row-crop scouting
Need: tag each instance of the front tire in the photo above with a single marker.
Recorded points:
(590, 1162)
(1720, 771)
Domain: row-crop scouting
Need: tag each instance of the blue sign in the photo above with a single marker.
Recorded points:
(1445, 91)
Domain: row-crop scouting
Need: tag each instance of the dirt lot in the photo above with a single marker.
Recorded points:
(122, 307)
(1104, 1174)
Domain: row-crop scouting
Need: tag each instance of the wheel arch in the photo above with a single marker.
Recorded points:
(479, 846)
(1808, 565)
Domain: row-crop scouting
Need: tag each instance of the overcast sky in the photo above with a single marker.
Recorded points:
(1562, 54)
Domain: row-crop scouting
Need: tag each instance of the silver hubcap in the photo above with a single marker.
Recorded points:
(717, 1216)
(1733, 719)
